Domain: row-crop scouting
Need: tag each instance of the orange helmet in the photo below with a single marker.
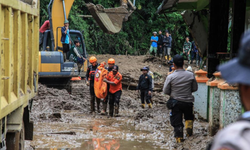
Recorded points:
(111, 61)
(92, 59)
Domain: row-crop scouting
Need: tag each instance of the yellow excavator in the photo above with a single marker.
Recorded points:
(52, 68)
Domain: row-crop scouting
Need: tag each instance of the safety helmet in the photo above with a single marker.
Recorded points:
(92, 59)
(111, 61)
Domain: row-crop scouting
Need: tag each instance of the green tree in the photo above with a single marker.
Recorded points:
(134, 37)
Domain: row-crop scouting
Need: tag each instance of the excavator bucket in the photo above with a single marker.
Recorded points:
(109, 19)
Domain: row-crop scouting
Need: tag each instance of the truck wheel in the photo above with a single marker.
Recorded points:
(15, 140)
(22, 138)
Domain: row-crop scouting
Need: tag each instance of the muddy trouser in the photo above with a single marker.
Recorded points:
(93, 98)
(179, 109)
(79, 65)
(167, 51)
(114, 102)
(106, 100)
(145, 96)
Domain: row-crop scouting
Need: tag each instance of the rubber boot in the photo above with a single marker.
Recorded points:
(104, 105)
(179, 139)
(92, 104)
(189, 127)
(191, 62)
(143, 106)
(197, 63)
(167, 58)
(111, 110)
(98, 105)
(149, 105)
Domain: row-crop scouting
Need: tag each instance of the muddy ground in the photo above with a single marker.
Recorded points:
(62, 120)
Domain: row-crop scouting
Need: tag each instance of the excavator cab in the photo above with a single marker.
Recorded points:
(110, 20)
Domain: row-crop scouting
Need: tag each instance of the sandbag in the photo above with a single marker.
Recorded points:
(100, 87)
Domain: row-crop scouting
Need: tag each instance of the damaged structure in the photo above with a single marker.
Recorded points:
(209, 22)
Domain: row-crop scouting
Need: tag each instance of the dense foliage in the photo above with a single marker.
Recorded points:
(135, 35)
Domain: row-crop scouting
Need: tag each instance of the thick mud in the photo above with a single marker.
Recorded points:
(63, 121)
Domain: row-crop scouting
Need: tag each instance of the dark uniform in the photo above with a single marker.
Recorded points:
(145, 85)
(90, 76)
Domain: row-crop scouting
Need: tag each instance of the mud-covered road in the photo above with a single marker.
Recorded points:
(62, 121)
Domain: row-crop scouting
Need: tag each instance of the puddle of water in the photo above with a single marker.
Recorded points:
(115, 144)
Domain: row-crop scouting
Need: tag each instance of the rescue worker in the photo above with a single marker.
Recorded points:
(65, 39)
(160, 44)
(151, 74)
(237, 135)
(90, 76)
(114, 79)
(179, 85)
(187, 46)
(75, 55)
(145, 87)
(167, 44)
(111, 63)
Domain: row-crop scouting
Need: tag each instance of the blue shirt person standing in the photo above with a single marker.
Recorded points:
(154, 40)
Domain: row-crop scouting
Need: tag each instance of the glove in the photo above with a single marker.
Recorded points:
(87, 83)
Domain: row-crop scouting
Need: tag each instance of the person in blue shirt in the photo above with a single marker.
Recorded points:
(65, 39)
(154, 40)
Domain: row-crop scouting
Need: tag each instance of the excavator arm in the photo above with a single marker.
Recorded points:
(110, 19)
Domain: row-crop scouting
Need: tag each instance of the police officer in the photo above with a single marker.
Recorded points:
(145, 87)
(237, 135)
(90, 75)
(114, 79)
(179, 85)
(111, 63)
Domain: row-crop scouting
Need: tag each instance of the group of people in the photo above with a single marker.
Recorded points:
(114, 88)
(161, 46)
